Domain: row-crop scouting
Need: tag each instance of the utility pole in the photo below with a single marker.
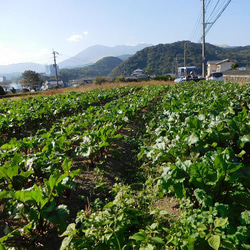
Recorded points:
(185, 50)
(203, 38)
(55, 53)
(176, 65)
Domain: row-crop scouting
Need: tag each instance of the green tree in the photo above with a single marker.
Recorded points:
(13, 90)
(100, 79)
(31, 79)
(235, 65)
(2, 92)
(120, 78)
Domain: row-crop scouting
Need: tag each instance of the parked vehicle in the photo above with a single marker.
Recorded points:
(216, 76)
(187, 74)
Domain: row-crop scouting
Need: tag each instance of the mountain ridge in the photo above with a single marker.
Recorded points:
(94, 53)
(165, 58)
(157, 58)
(85, 57)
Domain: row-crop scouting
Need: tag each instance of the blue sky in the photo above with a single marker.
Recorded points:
(31, 29)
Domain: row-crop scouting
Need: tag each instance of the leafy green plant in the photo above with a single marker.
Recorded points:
(37, 206)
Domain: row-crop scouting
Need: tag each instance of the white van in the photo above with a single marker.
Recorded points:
(216, 76)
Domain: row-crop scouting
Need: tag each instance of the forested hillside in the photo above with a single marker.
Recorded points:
(163, 58)
(101, 68)
(159, 59)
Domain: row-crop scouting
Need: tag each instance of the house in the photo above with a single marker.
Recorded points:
(2, 79)
(219, 66)
(241, 74)
(50, 70)
(53, 85)
(139, 74)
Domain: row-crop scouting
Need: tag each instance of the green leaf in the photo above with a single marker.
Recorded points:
(58, 215)
(245, 217)
(220, 222)
(233, 167)
(223, 209)
(138, 237)
(147, 247)
(214, 242)
(179, 190)
(241, 153)
(157, 240)
(201, 227)
(66, 242)
(2, 247)
(220, 163)
(71, 228)
(192, 139)
(4, 194)
(66, 165)
(243, 140)
(110, 204)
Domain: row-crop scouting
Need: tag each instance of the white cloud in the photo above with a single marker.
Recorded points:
(85, 33)
(9, 55)
(77, 38)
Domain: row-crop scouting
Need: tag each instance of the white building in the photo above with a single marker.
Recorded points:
(50, 70)
(2, 78)
(219, 66)
(52, 85)
(139, 73)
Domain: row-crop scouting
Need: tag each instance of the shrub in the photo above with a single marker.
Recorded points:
(13, 90)
(2, 92)
(100, 80)
(163, 78)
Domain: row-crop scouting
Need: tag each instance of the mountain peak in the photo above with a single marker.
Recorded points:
(96, 52)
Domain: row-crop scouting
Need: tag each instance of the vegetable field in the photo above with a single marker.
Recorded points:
(135, 167)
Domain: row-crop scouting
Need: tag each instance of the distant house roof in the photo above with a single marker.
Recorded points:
(218, 62)
(237, 72)
(138, 71)
(213, 62)
(224, 61)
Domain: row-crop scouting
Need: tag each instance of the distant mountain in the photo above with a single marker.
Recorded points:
(124, 57)
(94, 53)
(164, 58)
(225, 46)
(84, 58)
(102, 67)
(158, 59)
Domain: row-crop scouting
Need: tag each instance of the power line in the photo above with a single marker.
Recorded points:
(197, 27)
(218, 16)
(215, 14)
(214, 9)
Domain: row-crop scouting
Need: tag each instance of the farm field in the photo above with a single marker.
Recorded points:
(131, 167)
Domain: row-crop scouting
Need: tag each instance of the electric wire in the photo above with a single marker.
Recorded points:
(218, 16)
(197, 28)
(214, 10)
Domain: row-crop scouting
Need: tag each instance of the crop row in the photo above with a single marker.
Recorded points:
(195, 151)
(21, 116)
(201, 141)
(35, 171)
